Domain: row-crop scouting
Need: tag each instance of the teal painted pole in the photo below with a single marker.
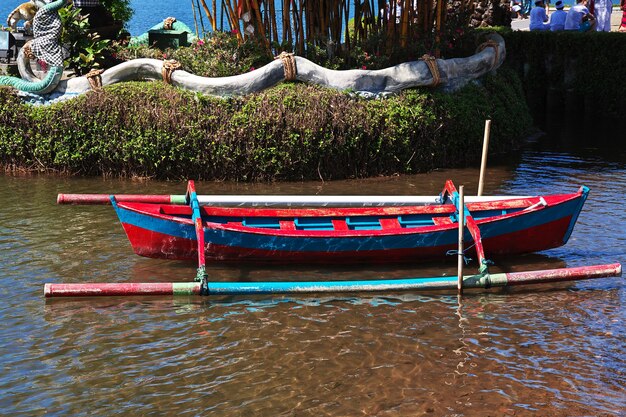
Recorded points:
(391, 285)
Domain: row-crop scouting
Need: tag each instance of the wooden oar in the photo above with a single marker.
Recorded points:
(278, 287)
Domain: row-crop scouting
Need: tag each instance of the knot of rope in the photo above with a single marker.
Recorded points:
(289, 65)
(94, 78)
(431, 62)
(28, 51)
(491, 44)
(168, 23)
(453, 252)
(169, 66)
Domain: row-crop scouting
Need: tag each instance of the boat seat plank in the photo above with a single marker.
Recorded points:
(442, 220)
(390, 223)
(261, 222)
(313, 223)
(340, 224)
(363, 223)
(287, 225)
(415, 220)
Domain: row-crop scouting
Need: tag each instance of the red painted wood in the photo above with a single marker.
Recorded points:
(107, 289)
(103, 199)
(391, 223)
(478, 242)
(287, 225)
(340, 224)
(563, 274)
(177, 210)
(156, 245)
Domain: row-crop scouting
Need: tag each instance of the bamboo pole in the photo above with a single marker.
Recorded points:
(264, 200)
(257, 12)
(483, 160)
(273, 29)
(210, 16)
(201, 18)
(300, 287)
(461, 211)
(195, 19)
(214, 16)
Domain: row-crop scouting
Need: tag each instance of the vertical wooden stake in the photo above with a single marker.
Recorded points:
(483, 160)
(461, 229)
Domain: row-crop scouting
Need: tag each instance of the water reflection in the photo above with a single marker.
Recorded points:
(544, 350)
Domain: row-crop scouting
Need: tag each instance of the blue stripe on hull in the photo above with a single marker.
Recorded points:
(350, 244)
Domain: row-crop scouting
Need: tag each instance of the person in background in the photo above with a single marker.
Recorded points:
(579, 18)
(602, 12)
(538, 17)
(516, 10)
(622, 26)
(526, 6)
(557, 19)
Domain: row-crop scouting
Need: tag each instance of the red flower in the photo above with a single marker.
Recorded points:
(363, 67)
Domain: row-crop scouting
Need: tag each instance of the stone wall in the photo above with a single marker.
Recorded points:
(490, 13)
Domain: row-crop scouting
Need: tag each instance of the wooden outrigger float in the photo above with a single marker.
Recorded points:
(336, 229)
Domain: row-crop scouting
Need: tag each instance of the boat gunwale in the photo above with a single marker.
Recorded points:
(530, 204)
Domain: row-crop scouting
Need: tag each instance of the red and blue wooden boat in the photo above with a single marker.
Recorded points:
(347, 234)
(381, 229)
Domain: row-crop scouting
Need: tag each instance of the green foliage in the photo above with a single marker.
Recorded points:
(289, 132)
(219, 54)
(119, 9)
(588, 63)
(85, 50)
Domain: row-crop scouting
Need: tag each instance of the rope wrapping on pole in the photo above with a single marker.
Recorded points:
(289, 65)
(490, 44)
(94, 78)
(431, 62)
(169, 66)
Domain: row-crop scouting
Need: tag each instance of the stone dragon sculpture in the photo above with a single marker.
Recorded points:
(46, 47)
(428, 71)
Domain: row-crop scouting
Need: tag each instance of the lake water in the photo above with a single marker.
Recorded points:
(557, 350)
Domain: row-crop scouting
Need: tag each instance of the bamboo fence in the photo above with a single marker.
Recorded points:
(294, 25)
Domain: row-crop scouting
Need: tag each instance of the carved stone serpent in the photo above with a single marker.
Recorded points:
(451, 74)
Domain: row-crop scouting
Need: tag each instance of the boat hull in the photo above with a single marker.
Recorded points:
(154, 233)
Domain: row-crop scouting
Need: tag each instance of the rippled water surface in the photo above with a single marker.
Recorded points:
(545, 350)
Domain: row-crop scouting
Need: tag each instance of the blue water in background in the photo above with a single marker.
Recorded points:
(149, 13)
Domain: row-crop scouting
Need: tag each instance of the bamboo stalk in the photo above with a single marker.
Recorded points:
(208, 13)
(214, 16)
(271, 200)
(233, 20)
(273, 23)
(195, 20)
(201, 18)
(260, 28)
(483, 160)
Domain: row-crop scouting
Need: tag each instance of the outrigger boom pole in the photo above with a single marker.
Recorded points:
(279, 287)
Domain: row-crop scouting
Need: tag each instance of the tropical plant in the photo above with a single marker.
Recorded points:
(119, 9)
(83, 50)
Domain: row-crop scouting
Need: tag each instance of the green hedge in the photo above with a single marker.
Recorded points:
(592, 64)
(289, 132)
